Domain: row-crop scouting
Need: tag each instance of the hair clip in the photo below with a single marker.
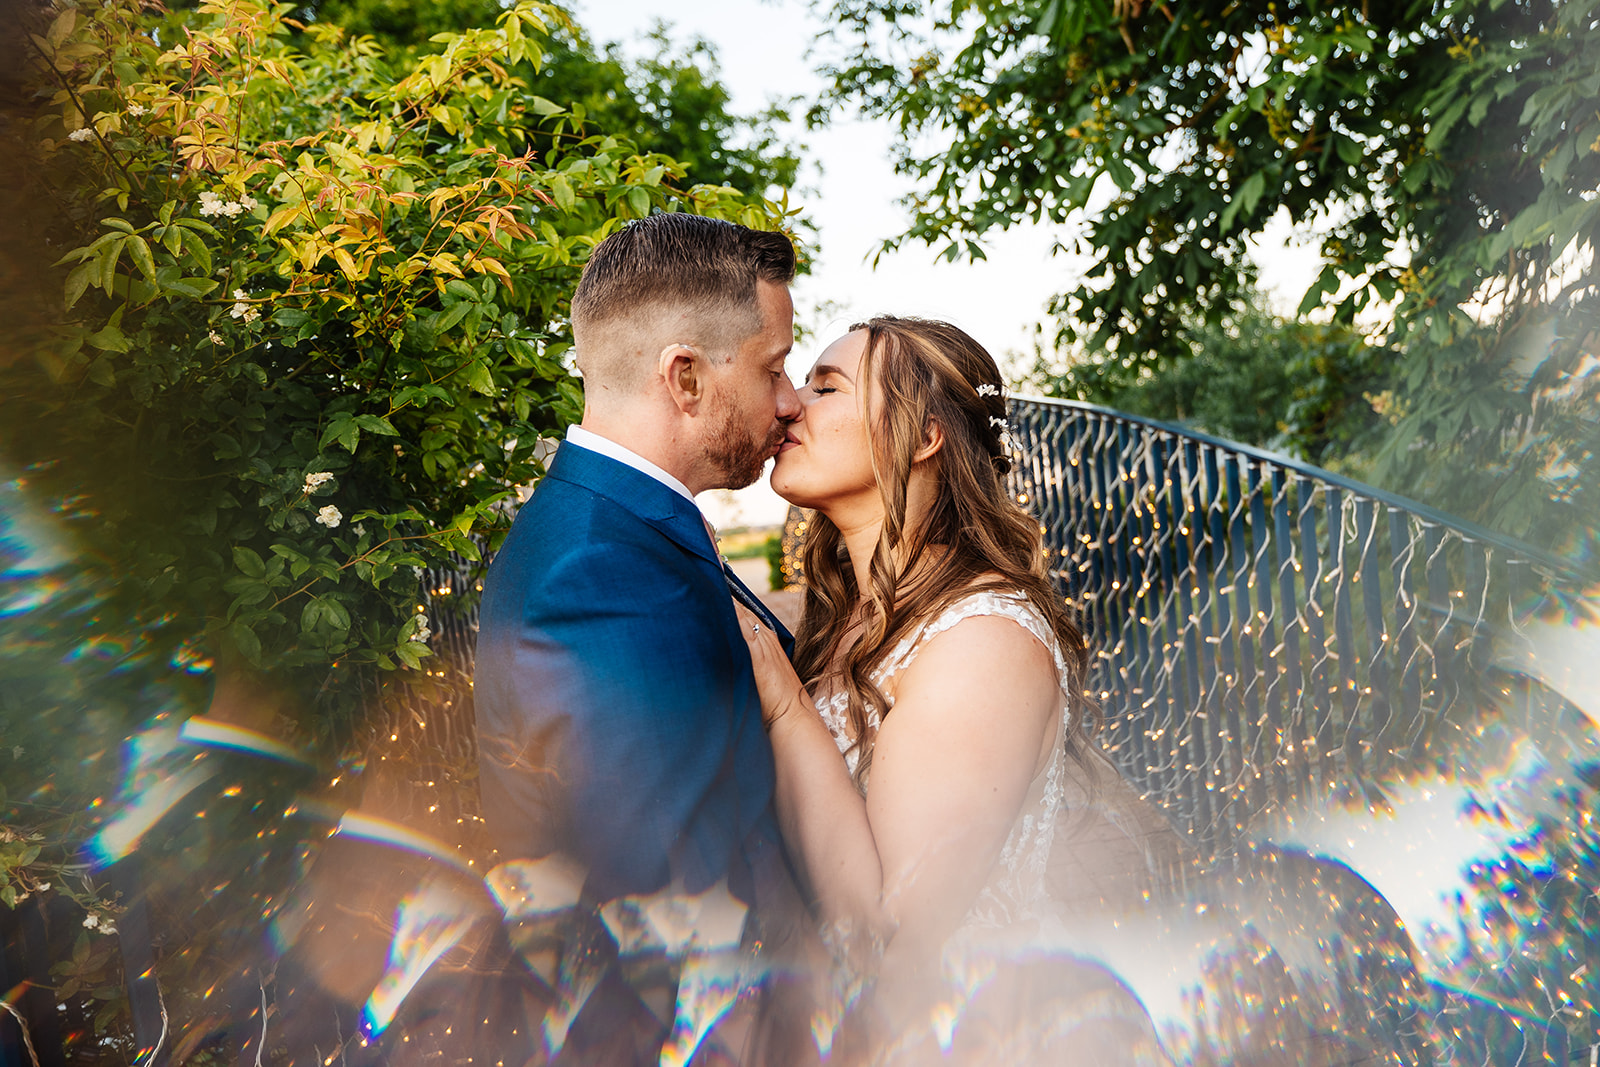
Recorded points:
(998, 423)
(988, 389)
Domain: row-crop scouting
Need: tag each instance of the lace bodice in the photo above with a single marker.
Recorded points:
(1016, 889)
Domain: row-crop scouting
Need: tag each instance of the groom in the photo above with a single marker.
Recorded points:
(619, 726)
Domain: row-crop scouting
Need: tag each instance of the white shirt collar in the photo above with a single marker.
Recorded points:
(610, 449)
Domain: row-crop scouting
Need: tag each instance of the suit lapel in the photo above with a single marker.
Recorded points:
(663, 509)
(636, 492)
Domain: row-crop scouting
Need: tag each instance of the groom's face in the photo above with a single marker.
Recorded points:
(750, 400)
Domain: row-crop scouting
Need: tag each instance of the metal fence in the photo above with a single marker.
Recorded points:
(1274, 642)
(1264, 630)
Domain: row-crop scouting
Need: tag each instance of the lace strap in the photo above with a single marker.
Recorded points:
(1013, 606)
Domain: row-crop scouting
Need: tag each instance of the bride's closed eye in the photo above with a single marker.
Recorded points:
(820, 390)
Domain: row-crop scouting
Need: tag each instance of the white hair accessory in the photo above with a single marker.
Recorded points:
(988, 389)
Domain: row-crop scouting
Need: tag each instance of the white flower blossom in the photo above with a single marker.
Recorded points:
(137, 109)
(216, 338)
(212, 204)
(90, 921)
(242, 308)
(419, 629)
(108, 928)
(330, 516)
(82, 133)
(315, 479)
(44, 887)
(988, 389)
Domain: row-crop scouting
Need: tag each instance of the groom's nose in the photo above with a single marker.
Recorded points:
(789, 407)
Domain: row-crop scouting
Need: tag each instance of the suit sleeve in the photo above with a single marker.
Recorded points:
(643, 721)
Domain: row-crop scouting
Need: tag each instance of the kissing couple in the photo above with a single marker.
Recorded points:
(720, 843)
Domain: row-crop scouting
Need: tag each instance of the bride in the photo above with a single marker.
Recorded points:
(934, 655)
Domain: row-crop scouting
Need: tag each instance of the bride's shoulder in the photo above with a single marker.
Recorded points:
(992, 599)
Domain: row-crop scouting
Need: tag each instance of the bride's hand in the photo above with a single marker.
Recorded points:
(781, 691)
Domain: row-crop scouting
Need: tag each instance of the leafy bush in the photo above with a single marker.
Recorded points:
(306, 331)
(315, 307)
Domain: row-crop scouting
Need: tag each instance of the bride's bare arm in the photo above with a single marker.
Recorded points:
(951, 768)
(973, 722)
(822, 816)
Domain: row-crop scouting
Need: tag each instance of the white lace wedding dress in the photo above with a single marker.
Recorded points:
(1013, 1008)
(1016, 891)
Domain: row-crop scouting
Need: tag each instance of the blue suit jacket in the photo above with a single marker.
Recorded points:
(618, 717)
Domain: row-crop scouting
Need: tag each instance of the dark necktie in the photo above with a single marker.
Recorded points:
(737, 588)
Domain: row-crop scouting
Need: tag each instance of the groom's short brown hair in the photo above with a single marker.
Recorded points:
(673, 278)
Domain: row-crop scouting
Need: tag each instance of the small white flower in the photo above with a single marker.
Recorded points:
(211, 204)
(330, 516)
(252, 315)
(986, 389)
(247, 202)
(216, 338)
(108, 929)
(137, 109)
(82, 133)
(315, 479)
(419, 629)
(90, 921)
(231, 208)
(240, 294)
(44, 887)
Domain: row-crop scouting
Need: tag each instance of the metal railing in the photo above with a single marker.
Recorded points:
(1275, 642)
(1263, 629)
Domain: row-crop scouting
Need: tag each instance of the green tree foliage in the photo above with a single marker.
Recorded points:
(1445, 152)
(1300, 388)
(669, 101)
(312, 327)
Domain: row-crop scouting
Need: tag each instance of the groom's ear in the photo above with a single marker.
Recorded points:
(932, 441)
(681, 368)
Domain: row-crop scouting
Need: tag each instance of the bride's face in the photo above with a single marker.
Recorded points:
(826, 462)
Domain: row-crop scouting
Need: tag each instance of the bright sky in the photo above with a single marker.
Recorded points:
(762, 47)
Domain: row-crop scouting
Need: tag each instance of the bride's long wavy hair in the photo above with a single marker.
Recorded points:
(974, 536)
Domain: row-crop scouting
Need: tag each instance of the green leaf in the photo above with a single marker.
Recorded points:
(479, 379)
(452, 315)
(78, 282)
(561, 192)
(193, 288)
(139, 251)
(639, 201)
(245, 640)
(248, 562)
(377, 424)
(109, 339)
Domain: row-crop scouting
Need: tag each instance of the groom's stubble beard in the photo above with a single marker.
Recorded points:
(738, 455)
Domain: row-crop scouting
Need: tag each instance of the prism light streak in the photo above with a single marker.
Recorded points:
(428, 923)
(383, 832)
(215, 734)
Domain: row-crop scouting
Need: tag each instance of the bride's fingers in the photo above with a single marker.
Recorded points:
(754, 631)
